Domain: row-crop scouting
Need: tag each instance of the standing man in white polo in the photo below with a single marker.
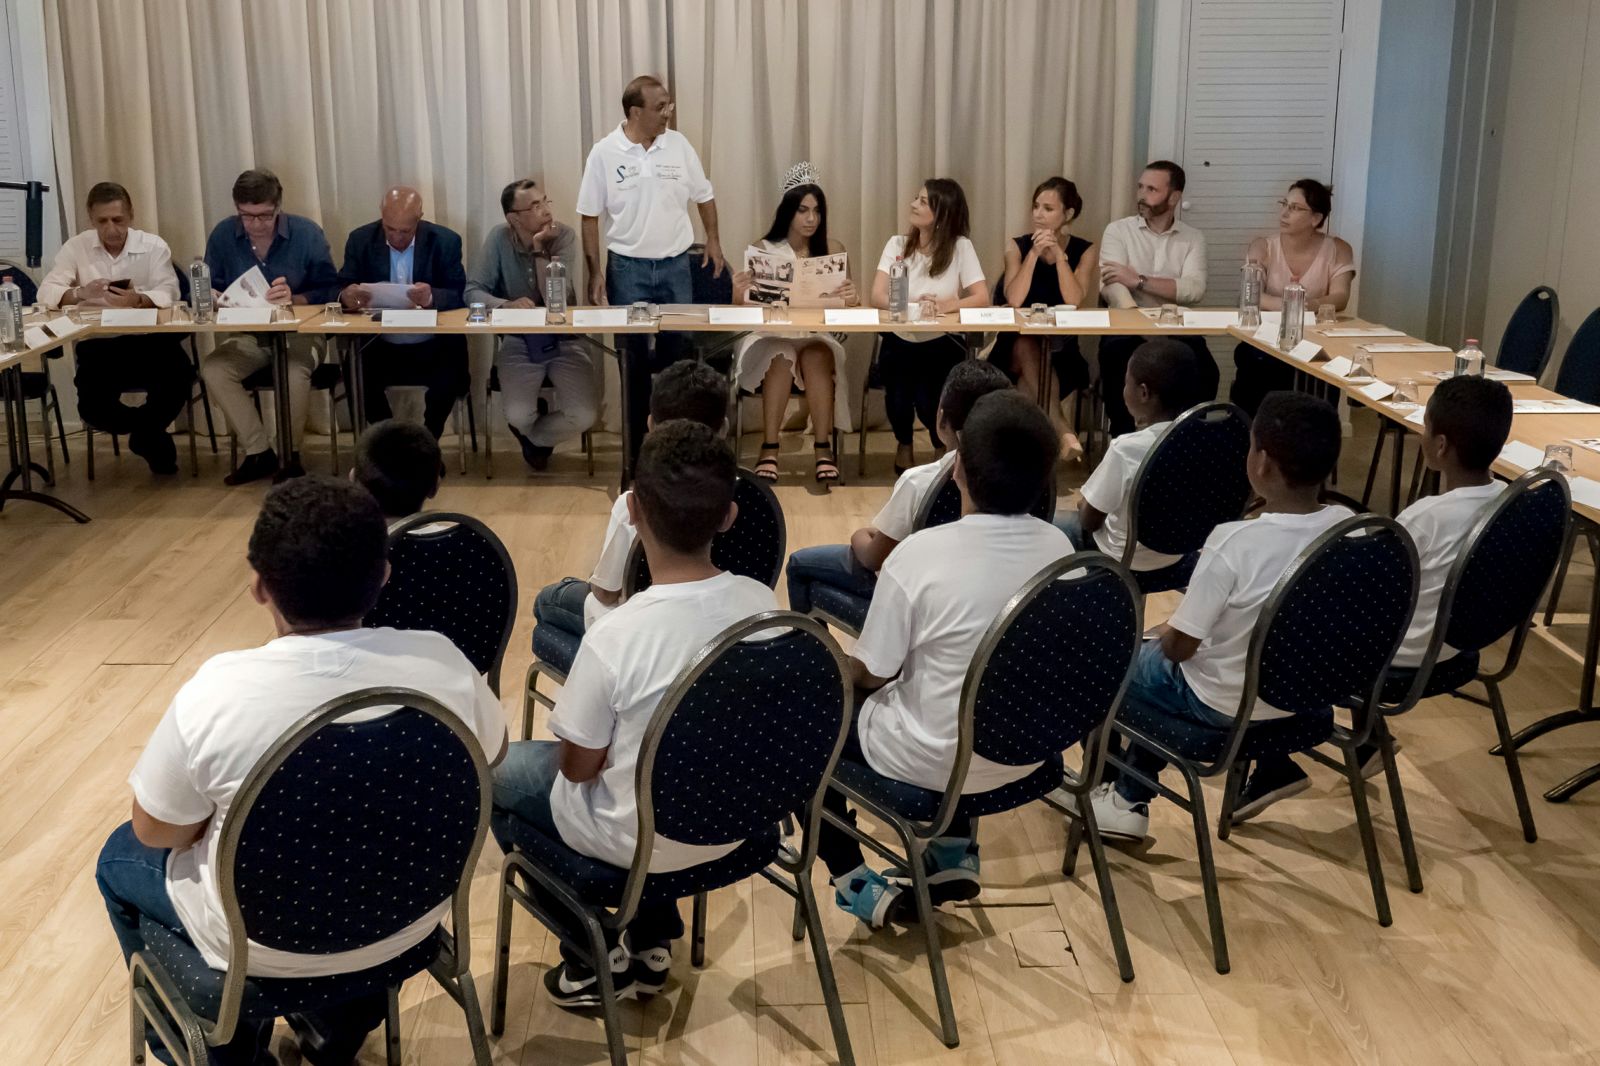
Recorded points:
(642, 177)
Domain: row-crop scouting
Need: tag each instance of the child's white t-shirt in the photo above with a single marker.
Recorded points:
(1109, 490)
(610, 570)
(937, 595)
(625, 665)
(898, 517)
(1440, 526)
(1238, 568)
(963, 272)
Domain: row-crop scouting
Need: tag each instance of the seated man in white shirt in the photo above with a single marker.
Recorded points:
(579, 789)
(1464, 427)
(115, 265)
(317, 560)
(1190, 677)
(1148, 259)
(937, 595)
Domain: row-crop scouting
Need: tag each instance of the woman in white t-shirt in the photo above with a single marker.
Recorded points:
(942, 266)
(775, 361)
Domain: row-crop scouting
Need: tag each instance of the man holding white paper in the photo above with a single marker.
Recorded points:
(402, 261)
(291, 253)
(113, 265)
(510, 273)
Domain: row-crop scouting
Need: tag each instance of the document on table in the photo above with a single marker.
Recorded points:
(1413, 347)
(518, 316)
(1276, 317)
(1493, 374)
(1083, 319)
(988, 316)
(736, 316)
(1589, 443)
(1522, 456)
(427, 317)
(387, 294)
(1553, 407)
(128, 316)
(1361, 331)
(62, 327)
(850, 316)
(1585, 491)
(244, 316)
(248, 290)
(600, 317)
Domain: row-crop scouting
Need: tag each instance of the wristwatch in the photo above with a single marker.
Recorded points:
(1140, 287)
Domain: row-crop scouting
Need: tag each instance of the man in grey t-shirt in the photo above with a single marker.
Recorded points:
(510, 271)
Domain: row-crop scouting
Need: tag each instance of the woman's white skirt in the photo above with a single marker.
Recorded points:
(755, 354)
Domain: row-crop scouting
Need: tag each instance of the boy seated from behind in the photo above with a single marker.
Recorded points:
(1161, 383)
(937, 595)
(1190, 677)
(318, 559)
(579, 789)
(854, 567)
(1465, 425)
(686, 389)
(400, 464)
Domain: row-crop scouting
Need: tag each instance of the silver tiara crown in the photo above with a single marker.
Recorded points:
(802, 173)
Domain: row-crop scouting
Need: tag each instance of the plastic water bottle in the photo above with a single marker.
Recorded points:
(200, 289)
(1469, 360)
(10, 314)
(1293, 327)
(1252, 281)
(899, 291)
(555, 291)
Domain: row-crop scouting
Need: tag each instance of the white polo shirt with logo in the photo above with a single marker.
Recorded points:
(644, 194)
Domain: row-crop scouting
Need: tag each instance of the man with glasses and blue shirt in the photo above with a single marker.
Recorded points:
(292, 254)
(641, 177)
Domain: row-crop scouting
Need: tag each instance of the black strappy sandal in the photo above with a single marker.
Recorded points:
(767, 466)
(827, 465)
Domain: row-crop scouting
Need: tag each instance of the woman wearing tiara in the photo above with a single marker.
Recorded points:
(773, 362)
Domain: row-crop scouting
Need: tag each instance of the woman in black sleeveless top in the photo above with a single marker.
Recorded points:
(1048, 266)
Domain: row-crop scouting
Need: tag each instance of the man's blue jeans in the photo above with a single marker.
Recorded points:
(827, 564)
(660, 281)
(561, 605)
(1158, 693)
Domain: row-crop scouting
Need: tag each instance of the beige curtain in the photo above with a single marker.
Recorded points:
(342, 97)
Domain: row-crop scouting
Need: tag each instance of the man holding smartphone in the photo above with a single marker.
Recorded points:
(114, 265)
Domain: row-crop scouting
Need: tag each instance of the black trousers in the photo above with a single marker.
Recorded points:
(437, 363)
(111, 366)
(1115, 351)
(1255, 374)
(913, 377)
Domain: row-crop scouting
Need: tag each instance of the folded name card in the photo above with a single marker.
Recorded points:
(1267, 333)
(35, 337)
(428, 317)
(1585, 491)
(736, 316)
(1415, 346)
(1339, 367)
(600, 317)
(1378, 390)
(988, 316)
(63, 326)
(1360, 331)
(1275, 317)
(244, 316)
(1083, 319)
(850, 316)
(1305, 351)
(518, 316)
(128, 316)
(1210, 319)
(1522, 456)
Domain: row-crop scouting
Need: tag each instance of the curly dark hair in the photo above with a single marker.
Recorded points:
(320, 545)
(684, 484)
(1008, 451)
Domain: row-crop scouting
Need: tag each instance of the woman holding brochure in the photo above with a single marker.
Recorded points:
(776, 362)
(1301, 251)
(1049, 266)
(944, 274)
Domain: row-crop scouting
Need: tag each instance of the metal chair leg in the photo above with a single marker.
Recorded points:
(601, 957)
(697, 945)
(1369, 843)
(1561, 574)
(1108, 895)
(1574, 785)
(529, 698)
(88, 449)
(474, 1018)
(1519, 791)
(1208, 868)
(1397, 801)
(194, 447)
(391, 1027)
(502, 952)
(1377, 459)
(1230, 797)
(333, 430)
(930, 931)
(49, 451)
(806, 900)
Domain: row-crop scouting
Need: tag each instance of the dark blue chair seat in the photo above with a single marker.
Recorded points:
(921, 804)
(273, 997)
(601, 884)
(1168, 578)
(845, 606)
(1263, 739)
(556, 647)
(1448, 675)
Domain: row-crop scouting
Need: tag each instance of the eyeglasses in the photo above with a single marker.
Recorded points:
(530, 207)
(258, 216)
(1286, 205)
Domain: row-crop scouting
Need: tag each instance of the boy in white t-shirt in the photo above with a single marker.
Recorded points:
(1190, 678)
(936, 597)
(1464, 427)
(317, 557)
(687, 389)
(854, 567)
(580, 789)
(1161, 383)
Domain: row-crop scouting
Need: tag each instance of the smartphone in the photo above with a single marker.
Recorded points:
(122, 283)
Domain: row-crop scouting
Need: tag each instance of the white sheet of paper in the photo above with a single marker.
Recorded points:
(1210, 319)
(35, 337)
(1522, 456)
(600, 317)
(1585, 491)
(424, 317)
(1360, 331)
(850, 316)
(244, 316)
(128, 316)
(1267, 333)
(1553, 407)
(1415, 417)
(248, 290)
(62, 326)
(1305, 351)
(1083, 319)
(1378, 390)
(387, 294)
(1493, 374)
(1412, 346)
(1339, 366)
(988, 316)
(518, 316)
(1276, 317)
(736, 316)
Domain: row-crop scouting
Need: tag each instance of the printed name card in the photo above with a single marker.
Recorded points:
(35, 337)
(1210, 319)
(850, 316)
(1360, 331)
(1520, 455)
(62, 327)
(244, 316)
(413, 318)
(988, 316)
(1083, 319)
(1339, 367)
(1267, 333)
(736, 316)
(600, 317)
(1378, 390)
(1413, 347)
(518, 316)
(1305, 351)
(128, 316)
(1584, 491)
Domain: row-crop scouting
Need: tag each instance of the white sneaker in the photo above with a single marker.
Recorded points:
(1118, 818)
